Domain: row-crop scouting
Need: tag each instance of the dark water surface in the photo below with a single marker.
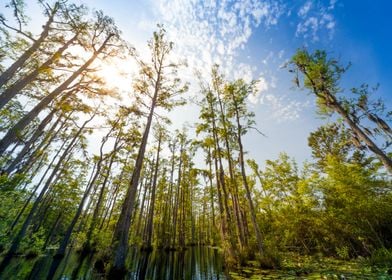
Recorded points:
(194, 263)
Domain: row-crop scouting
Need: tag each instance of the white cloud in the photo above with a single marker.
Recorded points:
(281, 108)
(267, 59)
(274, 80)
(309, 28)
(316, 19)
(332, 4)
(261, 87)
(281, 54)
(244, 71)
(207, 32)
(305, 9)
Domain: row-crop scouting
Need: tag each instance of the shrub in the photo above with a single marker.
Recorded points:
(381, 258)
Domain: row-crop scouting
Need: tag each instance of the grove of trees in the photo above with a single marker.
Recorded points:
(141, 186)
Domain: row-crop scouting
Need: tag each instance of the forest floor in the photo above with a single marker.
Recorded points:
(306, 267)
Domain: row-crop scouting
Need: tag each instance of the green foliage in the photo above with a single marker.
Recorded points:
(343, 253)
(333, 140)
(271, 257)
(10, 115)
(321, 75)
(32, 246)
(381, 258)
(366, 119)
(338, 206)
(8, 183)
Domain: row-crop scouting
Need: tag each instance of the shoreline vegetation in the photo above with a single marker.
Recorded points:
(92, 175)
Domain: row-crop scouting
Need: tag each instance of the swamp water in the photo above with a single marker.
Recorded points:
(193, 263)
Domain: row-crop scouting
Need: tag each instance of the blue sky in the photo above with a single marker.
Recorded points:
(252, 39)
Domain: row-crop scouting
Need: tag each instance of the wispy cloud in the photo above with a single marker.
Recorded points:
(209, 32)
(305, 9)
(316, 19)
(281, 108)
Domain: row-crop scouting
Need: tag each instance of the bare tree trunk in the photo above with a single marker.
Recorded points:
(97, 209)
(43, 146)
(16, 220)
(52, 230)
(336, 106)
(233, 185)
(227, 236)
(168, 226)
(212, 199)
(146, 184)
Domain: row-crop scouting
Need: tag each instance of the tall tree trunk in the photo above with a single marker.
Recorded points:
(64, 243)
(150, 220)
(43, 145)
(332, 103)
(121, 232)
(211, 191)
(177, 198)
(147, 183)
(16, 220)
(169, 208)
(12, 133)
(181, 233)
(16, 241)
(385, 160)
(52, 230)
(32, 139)
(10, 72)
(256, 228)
(218, 155)
(97, 209)
(15, 89)
(233, 186)
(220, 177)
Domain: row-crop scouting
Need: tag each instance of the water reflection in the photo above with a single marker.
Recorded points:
(194, 263)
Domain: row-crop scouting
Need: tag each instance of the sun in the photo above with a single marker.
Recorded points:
(117, 74)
